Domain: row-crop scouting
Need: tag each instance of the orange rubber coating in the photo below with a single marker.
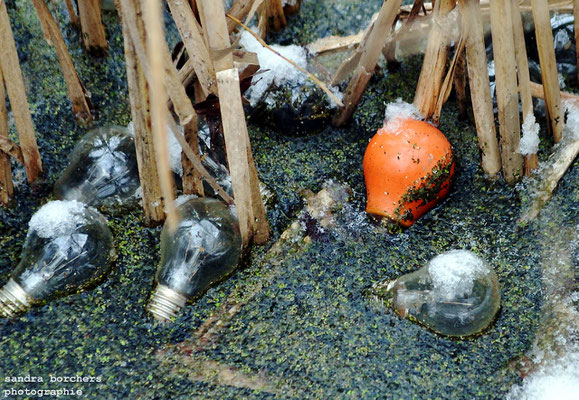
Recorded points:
(406, 155)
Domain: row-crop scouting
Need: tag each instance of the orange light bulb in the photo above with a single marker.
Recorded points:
(408, 166)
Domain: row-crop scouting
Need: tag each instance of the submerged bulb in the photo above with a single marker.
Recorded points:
(102, 171)
(205, 247)
(455, 294)
(68, 247)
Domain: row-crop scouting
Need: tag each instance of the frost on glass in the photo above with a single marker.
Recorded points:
(102, 171)
(69, 247)
(455, 294)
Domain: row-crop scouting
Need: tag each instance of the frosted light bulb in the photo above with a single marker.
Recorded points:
(69, 247)
(455, 294)
(205, 248)
(102, 171)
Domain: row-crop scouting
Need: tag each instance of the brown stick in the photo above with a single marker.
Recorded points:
(531, 160)
(72, 15)
(289, 9)
(434, 64)
(17, 94)
(538, 92)
(576, 28)
(506, 87)
(93, 30)
(369, 57)
(460, 80)
(190, 32)
(446, 86)
(6, 186)
(81, 104)
(270, 17)
(192, 181)
(251, 212)
(240, 9)
(158, 99)
(548, 63)
(138, 95)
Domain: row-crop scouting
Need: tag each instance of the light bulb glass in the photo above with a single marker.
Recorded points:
(205, 247)
(455, 294)
(68, 247)
(102, 171)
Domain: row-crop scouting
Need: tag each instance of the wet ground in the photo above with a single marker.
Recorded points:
(308, 332)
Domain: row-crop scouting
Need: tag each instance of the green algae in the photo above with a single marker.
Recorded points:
(311, 327)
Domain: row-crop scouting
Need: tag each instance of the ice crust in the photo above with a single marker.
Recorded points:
(57, 218)
(279, 70)
(453, 274)
(529, 143)
(399, 111)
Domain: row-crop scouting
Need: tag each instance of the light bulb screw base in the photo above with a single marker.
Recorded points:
(13, 299)
(165, 303)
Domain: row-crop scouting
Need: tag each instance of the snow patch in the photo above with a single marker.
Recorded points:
(558, 380)
(398, 111)
(279, 70)
(57, 218)
(529, 143)
(453, 273)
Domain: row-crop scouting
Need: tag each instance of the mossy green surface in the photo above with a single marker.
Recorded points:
(312, 328)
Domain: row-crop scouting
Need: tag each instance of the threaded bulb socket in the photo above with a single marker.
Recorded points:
(13, 299)
(165, 303)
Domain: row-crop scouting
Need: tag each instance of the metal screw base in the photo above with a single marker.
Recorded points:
(165, 303)
(13, 300)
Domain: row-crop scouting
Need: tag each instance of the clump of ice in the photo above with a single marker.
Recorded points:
(558, 380)
(571, 129)
(398, 111)
(57, 218)
(279, 70)
(529, 143)
(453, 273)
(174, 149)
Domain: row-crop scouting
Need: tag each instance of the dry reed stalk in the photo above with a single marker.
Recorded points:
(460, 81)
(17, 94)
(155, 37)
(72, 15)
(250, 209)
(240, 9)
(6, 185)
(446, 86)
(352, 61)
(190, 32)
(138, 95)
(531, 160)
(549, 75)
(368, 59)
(576, 28)
(290, 9)
(93, 30)
(506, 89)
(330, 44)
(81, 104)
(433, 67)
(192, 180)
(538, 92)
(270, 16)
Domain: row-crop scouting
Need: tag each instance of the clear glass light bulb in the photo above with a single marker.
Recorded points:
(205, 248)
(102, 171)
(455, 294)
(68, 247)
